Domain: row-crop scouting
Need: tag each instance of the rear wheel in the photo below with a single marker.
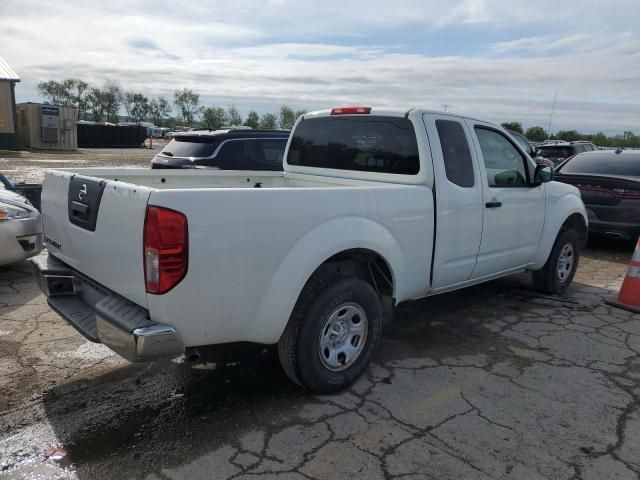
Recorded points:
(557, 274)
(332, 334)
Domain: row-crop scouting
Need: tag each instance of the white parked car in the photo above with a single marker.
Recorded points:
(20, 228)
(375, 207)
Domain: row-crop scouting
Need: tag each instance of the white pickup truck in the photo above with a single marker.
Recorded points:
(374, 207)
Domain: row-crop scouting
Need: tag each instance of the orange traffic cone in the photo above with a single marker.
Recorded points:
(629, 296)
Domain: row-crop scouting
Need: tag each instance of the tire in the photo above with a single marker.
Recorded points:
(331, 303)
(556, 275)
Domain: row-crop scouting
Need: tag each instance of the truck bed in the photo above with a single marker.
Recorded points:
(254, 239)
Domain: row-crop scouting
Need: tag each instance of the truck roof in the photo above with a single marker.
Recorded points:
(388, 111)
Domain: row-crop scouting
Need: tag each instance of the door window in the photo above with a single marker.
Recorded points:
(503, 162)
(458, 164)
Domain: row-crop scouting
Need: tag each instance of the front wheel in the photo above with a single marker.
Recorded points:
(332, 334)
(557, 274)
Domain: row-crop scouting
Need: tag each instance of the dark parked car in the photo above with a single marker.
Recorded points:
(527, 147)
(234, 149)
(559, 152)
(609, 181)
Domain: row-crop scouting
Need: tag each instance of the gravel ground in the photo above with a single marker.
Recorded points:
(29, 166)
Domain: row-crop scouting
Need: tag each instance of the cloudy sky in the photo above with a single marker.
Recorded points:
(496, 59)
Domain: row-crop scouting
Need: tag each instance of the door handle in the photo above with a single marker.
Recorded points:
(493, 204)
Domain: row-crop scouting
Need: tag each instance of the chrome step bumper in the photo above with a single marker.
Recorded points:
(103, 316)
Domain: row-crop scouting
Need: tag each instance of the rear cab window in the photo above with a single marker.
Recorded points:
(381, 144)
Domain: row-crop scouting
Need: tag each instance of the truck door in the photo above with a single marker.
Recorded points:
(514, 209)
(458, 200)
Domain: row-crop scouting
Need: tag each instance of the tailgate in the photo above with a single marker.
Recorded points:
(95, 226)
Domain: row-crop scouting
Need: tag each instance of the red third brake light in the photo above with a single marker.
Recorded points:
(351, 111)
(166, 249)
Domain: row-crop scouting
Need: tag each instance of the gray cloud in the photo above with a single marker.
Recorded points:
(258, 54)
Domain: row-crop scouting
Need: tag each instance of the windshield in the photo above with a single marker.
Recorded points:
(627, 165)
(190, 146)
(554, 152)
(363, 143)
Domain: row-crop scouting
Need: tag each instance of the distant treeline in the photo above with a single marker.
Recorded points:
(538, 134)
(103, 104)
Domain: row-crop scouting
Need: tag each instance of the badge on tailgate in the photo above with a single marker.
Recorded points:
(84, 201)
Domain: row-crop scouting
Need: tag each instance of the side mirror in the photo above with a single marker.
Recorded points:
(543, 174)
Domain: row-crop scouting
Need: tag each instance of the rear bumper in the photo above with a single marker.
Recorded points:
(103, 316)
(623, 231)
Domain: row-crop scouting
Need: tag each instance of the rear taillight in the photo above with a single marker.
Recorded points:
(166, 249)
(351, 111)
(628, 193)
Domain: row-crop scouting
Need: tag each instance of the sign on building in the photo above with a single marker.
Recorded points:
(50, 123)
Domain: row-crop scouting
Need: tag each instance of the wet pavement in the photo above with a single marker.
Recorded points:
(494, 381)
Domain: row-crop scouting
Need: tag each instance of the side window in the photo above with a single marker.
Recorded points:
(458, 163)
(504, 164)
(231, 156)
(273, 152)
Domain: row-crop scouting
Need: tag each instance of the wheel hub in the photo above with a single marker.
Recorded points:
(566, 261)
(343, 336)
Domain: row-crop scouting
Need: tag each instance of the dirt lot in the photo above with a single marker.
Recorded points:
(26, 166)
(494, 381)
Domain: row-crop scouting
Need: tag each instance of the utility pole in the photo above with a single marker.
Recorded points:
(445, 106)
(553, 107)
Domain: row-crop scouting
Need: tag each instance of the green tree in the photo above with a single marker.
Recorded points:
(112, 96)
(57, 93)
(569, 135)
(234, 116)
(536, 134)
(515, 126)
(136, 105)
(188, 103)
(252, 120)
(269, 121)
(214, 117)
(95, 104)
(159, 109)
(286, 117)
(79, 99)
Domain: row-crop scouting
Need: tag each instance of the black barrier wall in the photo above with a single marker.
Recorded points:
(110, 136)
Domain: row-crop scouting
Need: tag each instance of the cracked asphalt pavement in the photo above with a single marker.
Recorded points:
(491, 382)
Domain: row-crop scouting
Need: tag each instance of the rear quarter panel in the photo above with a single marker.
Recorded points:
(252, 250)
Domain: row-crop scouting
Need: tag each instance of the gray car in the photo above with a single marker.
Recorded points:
(20, 228)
